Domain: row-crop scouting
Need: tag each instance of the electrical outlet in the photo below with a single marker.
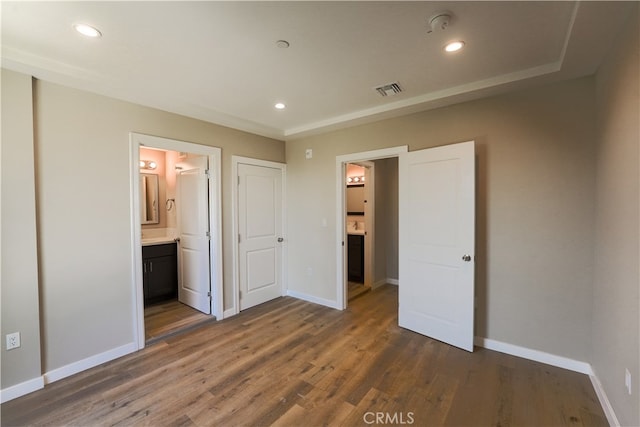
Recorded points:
(627, 380)
(308, 153)
(13, 340)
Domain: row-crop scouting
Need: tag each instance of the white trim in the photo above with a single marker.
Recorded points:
(214, 155)
(313, 299)
(535, 355)
(18, 390)
(89, 362)
(604, 400)
(385, 153)
(235, 161)
(391, 281)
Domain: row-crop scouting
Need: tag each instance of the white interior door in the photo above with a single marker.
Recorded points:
(260, 234)
(194, 278)
(436, 247)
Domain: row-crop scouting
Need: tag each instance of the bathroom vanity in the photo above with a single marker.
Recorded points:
(159, 272)
(355, 257)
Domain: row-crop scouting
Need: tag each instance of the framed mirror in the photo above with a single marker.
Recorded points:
(355, 199)
(149, 199)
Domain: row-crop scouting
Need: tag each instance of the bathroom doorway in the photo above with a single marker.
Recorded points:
(380, 227)
(359, 219)
(177, 236)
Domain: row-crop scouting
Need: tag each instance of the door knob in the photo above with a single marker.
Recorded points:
(466, 258)
(280, 240)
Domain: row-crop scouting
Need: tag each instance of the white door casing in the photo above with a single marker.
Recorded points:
(260, 233)
(437, 242)
(194, 287)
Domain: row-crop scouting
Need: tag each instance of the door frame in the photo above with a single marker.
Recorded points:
(341, 229)
(214, 155)
(235, 161)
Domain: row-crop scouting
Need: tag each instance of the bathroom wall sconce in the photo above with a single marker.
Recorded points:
(148, 164)
(355, 180)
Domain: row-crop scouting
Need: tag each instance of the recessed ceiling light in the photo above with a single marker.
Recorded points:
(280, 106)
(454, 46)
(282, 44)
(87, 30)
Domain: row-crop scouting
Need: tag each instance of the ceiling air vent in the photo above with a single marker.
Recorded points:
(389, 89)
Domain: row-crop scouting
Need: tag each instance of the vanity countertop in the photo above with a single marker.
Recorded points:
(356, 232)
(148, 241)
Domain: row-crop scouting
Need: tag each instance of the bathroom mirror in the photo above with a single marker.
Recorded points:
(149, 198)
(355, 199)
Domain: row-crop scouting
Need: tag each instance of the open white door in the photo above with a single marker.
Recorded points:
(194, 287)
(260, 233)
(436, 247)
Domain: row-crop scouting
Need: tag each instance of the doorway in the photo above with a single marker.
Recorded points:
(360, 220)
(371, 256)
(176, 250)
(436, 218)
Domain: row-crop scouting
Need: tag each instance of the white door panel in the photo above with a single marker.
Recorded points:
(260, 228)
(193, 222)
(437, 227)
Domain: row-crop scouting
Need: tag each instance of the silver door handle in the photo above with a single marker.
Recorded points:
(280, 240)
(466, 258)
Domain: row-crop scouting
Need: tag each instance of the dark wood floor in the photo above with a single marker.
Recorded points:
(292, 363)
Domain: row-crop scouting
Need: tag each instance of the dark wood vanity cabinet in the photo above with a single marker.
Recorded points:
(355, 257)
(160, 272)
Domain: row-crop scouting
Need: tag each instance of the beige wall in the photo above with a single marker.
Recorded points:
(386, 220)
(20, 306)
(616, 309)
(535, 153)
(84, 212)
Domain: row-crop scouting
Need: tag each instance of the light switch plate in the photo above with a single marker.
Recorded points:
(308, 153)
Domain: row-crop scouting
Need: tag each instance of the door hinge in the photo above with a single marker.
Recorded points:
(208, 234)
(207, 172)
(209, 294)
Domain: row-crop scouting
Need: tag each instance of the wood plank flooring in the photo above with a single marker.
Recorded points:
(354, 290)
(171, 317)
(293, 363)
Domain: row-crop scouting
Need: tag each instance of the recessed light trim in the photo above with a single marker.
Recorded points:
(87, 30)
(280, 106)
(454, 46)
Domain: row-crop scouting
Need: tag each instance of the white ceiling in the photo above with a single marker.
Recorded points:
(218, 61)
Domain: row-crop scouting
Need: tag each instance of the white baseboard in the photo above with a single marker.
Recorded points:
(393, 281)
(89, 362)
(313, 299)
(536, 355)
(604, 400)
(21, 389)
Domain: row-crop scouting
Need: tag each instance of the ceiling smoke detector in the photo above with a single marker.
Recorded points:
(439, 22)
(389, 89)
